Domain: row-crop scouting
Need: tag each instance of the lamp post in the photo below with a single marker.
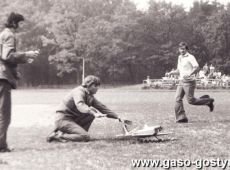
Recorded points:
(83, 68)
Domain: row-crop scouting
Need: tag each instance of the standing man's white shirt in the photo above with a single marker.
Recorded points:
(185, 65)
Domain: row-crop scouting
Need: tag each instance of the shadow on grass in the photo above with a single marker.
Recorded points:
(95, 141)
(48, 147)
(210, 121)
(130, 140)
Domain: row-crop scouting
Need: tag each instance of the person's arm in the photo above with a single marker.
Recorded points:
(174, 72)
(9, 54)
(194, 71)
(20, 57)
(195, 66)
(104, 110)
(79, 100)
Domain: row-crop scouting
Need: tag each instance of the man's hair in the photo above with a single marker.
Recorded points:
(13, 20)
(183, 45)
(89, 80)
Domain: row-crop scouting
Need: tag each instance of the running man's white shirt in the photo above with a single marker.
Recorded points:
(185, 65)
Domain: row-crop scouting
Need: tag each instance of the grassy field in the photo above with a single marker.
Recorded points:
(206, 136)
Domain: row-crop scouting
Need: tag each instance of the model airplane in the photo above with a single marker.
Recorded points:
(143, 134)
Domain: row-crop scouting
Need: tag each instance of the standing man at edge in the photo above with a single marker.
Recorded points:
(9, 59)
(187, 67)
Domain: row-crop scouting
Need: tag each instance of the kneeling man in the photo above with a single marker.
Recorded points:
(77, 112)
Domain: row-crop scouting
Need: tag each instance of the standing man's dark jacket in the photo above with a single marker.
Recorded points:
(9, 58)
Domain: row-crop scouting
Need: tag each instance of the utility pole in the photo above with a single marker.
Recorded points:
(83, 68)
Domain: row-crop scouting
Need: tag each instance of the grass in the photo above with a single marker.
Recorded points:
(206, 136)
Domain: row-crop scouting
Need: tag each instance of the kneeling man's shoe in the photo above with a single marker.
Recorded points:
(55, 137)
(6, 150)
(185, 120)
(51, 137)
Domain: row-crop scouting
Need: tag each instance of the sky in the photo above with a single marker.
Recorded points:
(143, 4)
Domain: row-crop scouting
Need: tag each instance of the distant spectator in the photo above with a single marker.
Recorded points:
(225, 80)
(215, 75)
(212, 68)
(148, 81)
(211, 73)
(219, 74)
(204, 81)
(206, 69)
(202, 74)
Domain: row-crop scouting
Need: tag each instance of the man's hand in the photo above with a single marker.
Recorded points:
(99, 115)
(120, 120)
(188, 77)
(30, 60)
(168, 74)
(93, 109)
(173, 72)
(128, 122)
(32, 54)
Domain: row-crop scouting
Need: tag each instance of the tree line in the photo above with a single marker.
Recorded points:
(118, 43)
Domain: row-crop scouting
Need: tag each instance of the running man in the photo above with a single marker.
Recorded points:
(187, 67)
